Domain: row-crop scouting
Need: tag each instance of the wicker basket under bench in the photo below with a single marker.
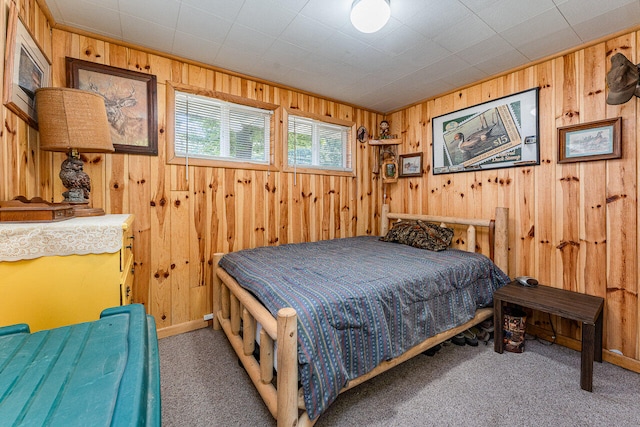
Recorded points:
(237, 310)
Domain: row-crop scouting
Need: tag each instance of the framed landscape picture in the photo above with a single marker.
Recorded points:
(410, 165)
(26, 69)
(130, 100)
(598, 140)
(496, 134)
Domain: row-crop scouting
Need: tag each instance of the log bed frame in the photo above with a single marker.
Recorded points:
(235, 309)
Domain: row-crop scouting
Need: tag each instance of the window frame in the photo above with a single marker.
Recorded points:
(174, 159)
(317, 170)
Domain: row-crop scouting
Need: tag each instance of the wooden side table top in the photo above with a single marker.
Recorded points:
(570, 305)
(586, 309)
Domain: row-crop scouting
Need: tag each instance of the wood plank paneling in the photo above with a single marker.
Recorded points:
(573, 226)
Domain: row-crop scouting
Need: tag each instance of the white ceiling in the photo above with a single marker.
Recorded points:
(428, 47)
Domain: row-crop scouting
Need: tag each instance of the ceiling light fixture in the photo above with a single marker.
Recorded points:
(368, 16)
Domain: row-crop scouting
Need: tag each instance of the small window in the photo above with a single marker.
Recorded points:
(209, 128)
(318, 145)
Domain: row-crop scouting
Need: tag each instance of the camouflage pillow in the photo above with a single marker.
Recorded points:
(420, 234)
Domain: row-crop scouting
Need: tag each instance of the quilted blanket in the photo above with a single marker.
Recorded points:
(361, 301)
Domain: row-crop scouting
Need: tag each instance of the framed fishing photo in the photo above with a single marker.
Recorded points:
(496, 134)
(130, 100)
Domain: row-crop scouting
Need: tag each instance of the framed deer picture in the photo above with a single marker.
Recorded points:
(130, 99)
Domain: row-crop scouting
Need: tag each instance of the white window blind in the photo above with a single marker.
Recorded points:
(209, 128)
(316, 144)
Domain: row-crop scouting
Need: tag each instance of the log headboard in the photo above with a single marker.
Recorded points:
(498, 231)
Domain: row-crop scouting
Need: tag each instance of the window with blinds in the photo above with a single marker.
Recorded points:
(209, 128)
(316, 144)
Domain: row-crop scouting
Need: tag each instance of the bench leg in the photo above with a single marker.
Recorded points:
(498, 345)
(587, 354)
(598, 340)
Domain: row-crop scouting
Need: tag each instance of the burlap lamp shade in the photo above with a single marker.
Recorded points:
(72, 118)
(72, 121)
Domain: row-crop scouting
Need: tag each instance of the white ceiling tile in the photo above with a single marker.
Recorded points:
(332, 13)
(511, 13)
(624, 17)
(551, 43)
(434, 17)
(202, 24)
(421, 55)
(303, 31)
(536, 28)
(233, 59)
(478, 6)
(470, 31)
(147, 33)
(108, 4)
(194, 48)
(102, 20)
(247, 40)
(465, 76)
(485, 50)
(577, 11)
(271, 71)
(368, 83)
(253, 15)
(284, 52)
(444, 67)
(400, 40)
(163, 12)
(293, 5)
(505, 60)
(348, 49)
(388, 71)
(223, 8)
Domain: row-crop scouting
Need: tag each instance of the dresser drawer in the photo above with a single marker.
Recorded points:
(126, 283)
(126, 250)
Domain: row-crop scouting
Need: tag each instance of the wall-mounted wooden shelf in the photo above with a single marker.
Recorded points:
(396, 141)
(387, 158)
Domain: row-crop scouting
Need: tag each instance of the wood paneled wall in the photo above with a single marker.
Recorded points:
(573, 226)
(183, 215)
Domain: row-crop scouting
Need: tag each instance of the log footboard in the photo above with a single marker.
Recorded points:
(237, 313)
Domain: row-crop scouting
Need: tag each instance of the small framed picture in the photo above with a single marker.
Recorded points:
(598, 140)
(26, 69)
(410, 165)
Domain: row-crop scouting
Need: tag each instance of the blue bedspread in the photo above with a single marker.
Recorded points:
(361, 301)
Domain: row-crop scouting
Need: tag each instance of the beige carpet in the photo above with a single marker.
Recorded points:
(203, 385)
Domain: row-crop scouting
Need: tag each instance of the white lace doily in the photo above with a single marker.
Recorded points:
(76, 236)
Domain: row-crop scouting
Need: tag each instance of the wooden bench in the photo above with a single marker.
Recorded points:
(570, 305)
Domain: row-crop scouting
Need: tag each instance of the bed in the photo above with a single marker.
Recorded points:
(346, 310)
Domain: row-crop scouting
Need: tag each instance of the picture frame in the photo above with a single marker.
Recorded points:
(389, 171)
(130, 99)
(496, 134)
(598, 140)
(26, 68)
(410, 165)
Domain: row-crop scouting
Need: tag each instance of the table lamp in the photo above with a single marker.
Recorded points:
(73, 121)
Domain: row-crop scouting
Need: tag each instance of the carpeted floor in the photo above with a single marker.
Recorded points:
(203, 385)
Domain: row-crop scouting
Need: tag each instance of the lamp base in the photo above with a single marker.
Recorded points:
(83, 209)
